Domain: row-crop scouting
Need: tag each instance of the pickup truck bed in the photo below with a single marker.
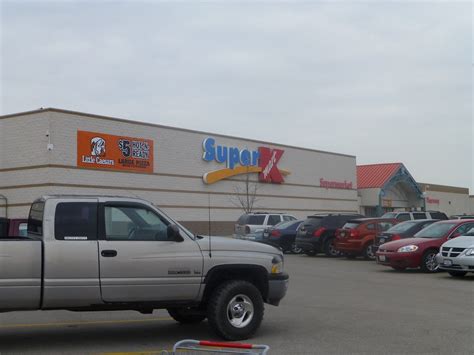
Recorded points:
(21, 272)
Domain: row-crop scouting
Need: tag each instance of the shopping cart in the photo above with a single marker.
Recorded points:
(189, 347)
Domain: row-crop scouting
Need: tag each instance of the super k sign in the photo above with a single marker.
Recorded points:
(268, 161)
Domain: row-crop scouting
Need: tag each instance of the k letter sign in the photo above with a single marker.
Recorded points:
(269, 159)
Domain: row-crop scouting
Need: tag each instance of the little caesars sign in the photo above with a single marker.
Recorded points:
(105, 151)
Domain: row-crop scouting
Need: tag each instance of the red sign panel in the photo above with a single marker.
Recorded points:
(268, 161)
(105, 151)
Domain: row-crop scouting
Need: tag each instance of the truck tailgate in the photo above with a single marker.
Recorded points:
(20, 274)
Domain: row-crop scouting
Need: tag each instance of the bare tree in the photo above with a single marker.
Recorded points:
(245, 195)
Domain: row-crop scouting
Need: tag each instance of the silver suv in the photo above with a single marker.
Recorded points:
(407, 216)
(251, 225)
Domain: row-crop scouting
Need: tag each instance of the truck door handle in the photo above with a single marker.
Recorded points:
(108, 253)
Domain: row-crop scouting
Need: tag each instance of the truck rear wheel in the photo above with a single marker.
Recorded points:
(186, 315)
(235, 310)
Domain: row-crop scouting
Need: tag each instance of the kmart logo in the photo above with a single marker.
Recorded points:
(263, 161)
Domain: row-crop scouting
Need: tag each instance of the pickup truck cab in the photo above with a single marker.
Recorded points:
(87, 253)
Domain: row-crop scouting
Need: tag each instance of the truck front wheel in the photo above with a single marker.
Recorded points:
(186, 315)
(235, 310)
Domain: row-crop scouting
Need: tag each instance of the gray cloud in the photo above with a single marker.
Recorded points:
(386, 82)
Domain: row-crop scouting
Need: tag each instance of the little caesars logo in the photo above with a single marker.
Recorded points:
(97, 153)
(105, 151)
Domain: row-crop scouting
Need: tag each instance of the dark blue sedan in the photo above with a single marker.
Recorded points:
(283, 236)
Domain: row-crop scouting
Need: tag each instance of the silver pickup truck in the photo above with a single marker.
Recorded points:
(87, 253)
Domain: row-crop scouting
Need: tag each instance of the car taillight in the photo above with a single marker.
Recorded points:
(396, 237)
(275, 233)
(319, 232)
(247, 229)
(354, 233)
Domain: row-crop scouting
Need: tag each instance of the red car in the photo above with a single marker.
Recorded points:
(420, 251)
(357, 236)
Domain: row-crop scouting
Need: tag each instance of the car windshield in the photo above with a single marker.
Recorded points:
(389, 215)
(470, 232)
(313, 220)
(402, 227)
(436, 230)
(351, 225)
(284, 224)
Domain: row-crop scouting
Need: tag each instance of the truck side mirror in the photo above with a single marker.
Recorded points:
(173, 234)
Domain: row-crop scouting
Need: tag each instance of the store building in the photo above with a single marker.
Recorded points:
(191, 175)
(390, 187)
(387, 187)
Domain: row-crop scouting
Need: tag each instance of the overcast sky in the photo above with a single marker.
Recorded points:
(387, 82)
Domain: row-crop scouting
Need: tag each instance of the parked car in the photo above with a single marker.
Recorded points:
(96, 253)
(462, 216)
(406, 216)
(457, 255)
(283, 236)
(420, 251)
(316, 233)
(13, 227)
(402, 230)
(250, 226)
(357, 236)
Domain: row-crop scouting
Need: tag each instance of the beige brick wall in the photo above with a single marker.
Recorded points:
(176, 152)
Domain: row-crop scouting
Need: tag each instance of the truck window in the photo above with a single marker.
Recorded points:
(134, 223)
(403, 217)
(35, 219)
(273, 219)
(75, 221)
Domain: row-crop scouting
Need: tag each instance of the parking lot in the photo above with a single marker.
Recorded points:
(333, 306)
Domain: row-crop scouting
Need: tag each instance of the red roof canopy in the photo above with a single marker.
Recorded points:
(375, 175)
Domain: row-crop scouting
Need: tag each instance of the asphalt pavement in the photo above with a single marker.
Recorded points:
(333, 306)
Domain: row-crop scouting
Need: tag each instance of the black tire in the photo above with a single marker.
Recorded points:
(369, 253)
(227, 302)
(310, 252)
(428, 261)
(186, 315)
(329, 248)
(457, 273)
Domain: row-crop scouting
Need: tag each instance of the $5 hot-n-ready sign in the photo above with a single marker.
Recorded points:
(263, 161)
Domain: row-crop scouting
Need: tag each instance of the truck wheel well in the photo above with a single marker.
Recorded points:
(257, 275)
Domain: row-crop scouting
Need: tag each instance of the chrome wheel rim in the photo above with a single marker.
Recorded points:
(370, 252)
(431, 263)
(295, 249)
(240, 311)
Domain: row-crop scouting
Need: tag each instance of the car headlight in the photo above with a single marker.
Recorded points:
(469, 252)
(277, 265)
(408, 249)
